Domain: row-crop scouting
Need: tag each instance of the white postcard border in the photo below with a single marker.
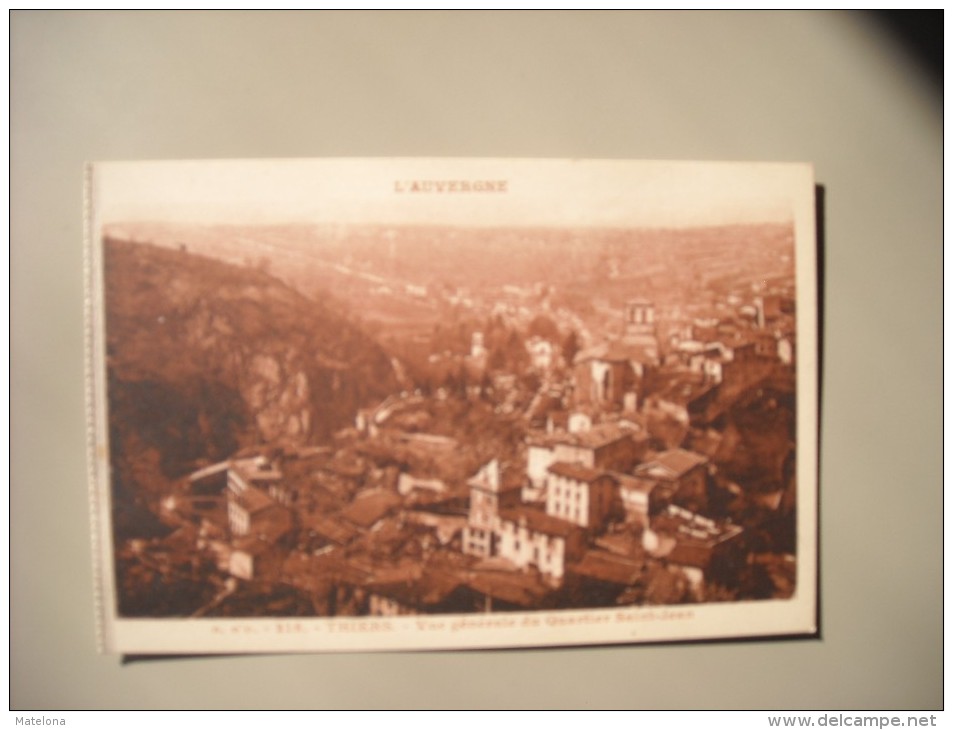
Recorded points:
(792, 183)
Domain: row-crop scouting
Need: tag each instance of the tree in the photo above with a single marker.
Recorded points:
(570, 346)
(544, 327)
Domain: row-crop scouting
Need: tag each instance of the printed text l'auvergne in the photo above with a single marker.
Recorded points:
(451, 186)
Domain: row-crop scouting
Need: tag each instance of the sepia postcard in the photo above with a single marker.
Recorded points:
(412, 404)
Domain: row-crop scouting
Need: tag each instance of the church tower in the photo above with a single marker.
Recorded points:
(639, 326)
(639, 317)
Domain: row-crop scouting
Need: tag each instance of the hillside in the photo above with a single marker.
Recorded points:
(204, 358)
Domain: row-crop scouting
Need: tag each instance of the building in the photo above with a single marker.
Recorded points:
(252, 513)
(687, 397)
(256, 471)
(604, 446)
(636, 498)
(408, 484)
(600, 577)
(429, 593)
(529, 538)
(706, 550)
(510, 590)
(680, 477)
(607, 446)
(580, 495)
(611, 375)
(251, 557)
(370, 507)
(542, 353)
(209, 481)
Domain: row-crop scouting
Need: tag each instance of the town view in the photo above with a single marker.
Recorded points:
(373, 420)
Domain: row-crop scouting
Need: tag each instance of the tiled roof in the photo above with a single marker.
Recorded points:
(635, 483)
(695, 535)
(252, 500)
(538, 521)
(601, 435)
(208, 471)
(365, 511)
(405, 572)
(637, 348)
(575, 471)
(513, 588)
(608, 568)
(627, 544)
(671, 464)
(428, 589)
(331, 566)
(680, 460)
(253, 544)
(344, 468)
(684, 389)
(329, 527)
(617, 352)
(256, 468)
(596, 437)
(692, 554)
(544, 440)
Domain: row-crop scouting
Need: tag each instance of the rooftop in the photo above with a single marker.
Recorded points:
(252, 545)
(634, 483)
(256, 468)
(328, 566)
(600, 435)
(518, 589)
(619, 352)
(429, 589)
(252, 500)
(684, 388)
(538, 521)
(608, 568)
(329, 527)
(627, 544)
(369, 508)
(671, 464)
(575, 471)
(695, 535)
(208, 471)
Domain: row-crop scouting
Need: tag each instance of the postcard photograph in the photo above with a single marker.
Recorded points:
(342, 405)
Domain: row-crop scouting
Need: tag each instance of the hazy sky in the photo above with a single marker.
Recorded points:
(538, 192)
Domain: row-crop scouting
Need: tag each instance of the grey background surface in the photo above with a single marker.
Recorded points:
(819, 87)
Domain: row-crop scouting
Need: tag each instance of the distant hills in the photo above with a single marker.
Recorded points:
(669, 265)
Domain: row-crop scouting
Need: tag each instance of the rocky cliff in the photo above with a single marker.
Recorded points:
(204, 358)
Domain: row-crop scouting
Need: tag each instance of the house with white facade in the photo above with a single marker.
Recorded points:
(529, 538)
(487, 497)
(608, 446)
(580, 495)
